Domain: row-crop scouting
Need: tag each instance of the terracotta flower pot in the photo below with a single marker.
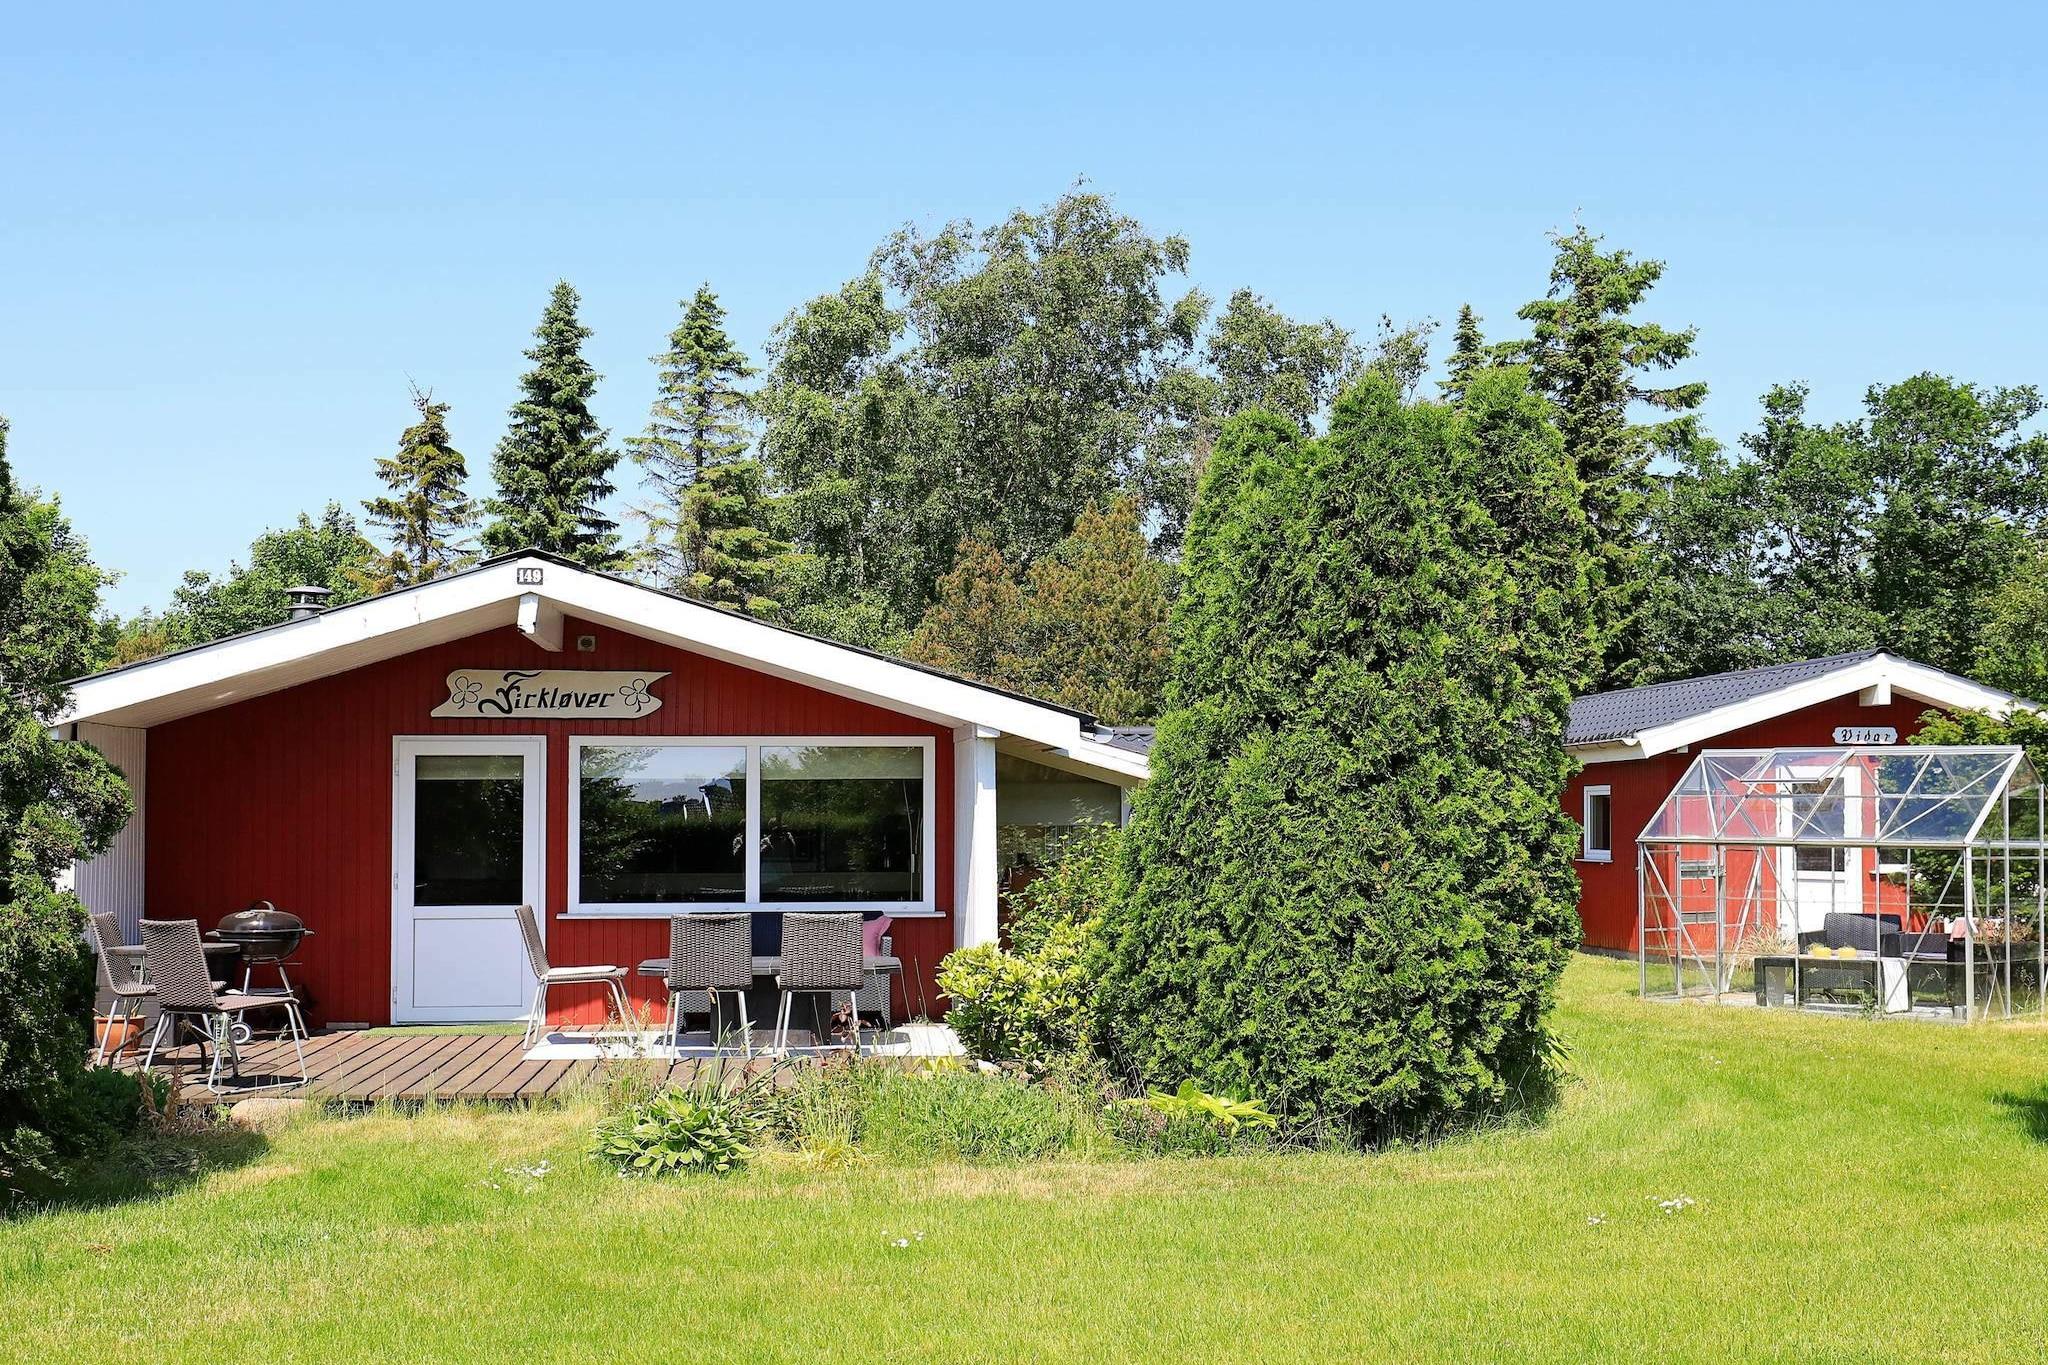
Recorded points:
(116, 1032)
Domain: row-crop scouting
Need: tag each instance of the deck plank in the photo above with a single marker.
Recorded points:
(353, 1066)
(441, 1065)
(467, 1082)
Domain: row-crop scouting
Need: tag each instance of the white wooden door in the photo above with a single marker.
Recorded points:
(467, 816)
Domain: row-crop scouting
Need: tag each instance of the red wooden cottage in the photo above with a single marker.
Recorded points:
(1635, 745)
(403, 772)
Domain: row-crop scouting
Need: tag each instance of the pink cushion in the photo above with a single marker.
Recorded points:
(871, 933)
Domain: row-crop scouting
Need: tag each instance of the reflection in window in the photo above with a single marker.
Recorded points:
(469, 829)
(661, 824)
(842, 823)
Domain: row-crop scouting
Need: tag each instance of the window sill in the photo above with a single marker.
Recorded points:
(1594, 858)
(892, 911)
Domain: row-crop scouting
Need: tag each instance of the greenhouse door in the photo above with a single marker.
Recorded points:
(1823, 879)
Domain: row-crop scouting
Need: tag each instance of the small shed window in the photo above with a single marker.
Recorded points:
(1598, 824)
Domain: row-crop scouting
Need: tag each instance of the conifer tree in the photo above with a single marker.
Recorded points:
(1348, 883)
(1593, 361)
(1468, 355)
(699, 423)
(60, 801)
(553, 467)
(737, 563)
(427, 514)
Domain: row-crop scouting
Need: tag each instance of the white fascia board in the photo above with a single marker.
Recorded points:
(1931, 685)
(199, 679)
(363, 632)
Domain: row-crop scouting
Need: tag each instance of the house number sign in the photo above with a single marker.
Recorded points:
(1866, 734)
(548, 694)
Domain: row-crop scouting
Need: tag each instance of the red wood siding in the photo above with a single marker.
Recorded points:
(1607, 891)
(287, 797)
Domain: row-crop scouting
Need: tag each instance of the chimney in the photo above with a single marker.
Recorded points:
(306, 601)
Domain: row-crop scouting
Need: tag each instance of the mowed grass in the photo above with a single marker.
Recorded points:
(1860, 1190)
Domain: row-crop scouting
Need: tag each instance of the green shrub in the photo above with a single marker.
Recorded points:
(934, 1113)
(706, 1128)
(1349, 885)
(1192, 1122)
(1032, 1002)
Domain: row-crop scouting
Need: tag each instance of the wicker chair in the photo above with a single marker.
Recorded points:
(711, 953)
(176, 963)
(544, 976)
(128, 993)
(821, 954)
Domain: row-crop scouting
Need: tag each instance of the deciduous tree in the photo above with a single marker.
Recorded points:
(1085, 626)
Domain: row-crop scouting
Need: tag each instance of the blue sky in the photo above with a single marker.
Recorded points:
(229, 236)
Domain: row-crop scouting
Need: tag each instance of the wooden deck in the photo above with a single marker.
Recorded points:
(359, 1067)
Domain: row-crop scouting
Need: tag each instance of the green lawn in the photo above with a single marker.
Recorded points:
(1861, 1190)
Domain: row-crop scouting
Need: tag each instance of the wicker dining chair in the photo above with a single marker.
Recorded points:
(545, 976)
(115, 980)
(712, 954)
(821, 954)
(175, 962)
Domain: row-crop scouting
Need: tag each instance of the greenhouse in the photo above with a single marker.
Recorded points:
(1895, 881)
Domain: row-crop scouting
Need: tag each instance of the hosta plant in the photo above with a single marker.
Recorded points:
(677, 1131)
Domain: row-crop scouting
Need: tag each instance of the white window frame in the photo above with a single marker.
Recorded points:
(926, 905)
(1587, 853)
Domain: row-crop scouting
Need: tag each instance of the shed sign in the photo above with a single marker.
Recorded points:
(1866, 734)
(548, 694)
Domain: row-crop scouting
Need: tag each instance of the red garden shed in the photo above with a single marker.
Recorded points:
(1635, 745)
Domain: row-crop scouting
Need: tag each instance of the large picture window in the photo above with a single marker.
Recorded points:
(658, 825)
(841, 823)
(661, 824)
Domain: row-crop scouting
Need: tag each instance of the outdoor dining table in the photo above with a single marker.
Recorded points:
(766, 965)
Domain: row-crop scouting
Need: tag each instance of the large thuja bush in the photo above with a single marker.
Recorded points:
(59, 801)
(1349, 881)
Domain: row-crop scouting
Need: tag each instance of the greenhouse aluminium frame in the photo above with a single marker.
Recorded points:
(1905, 879)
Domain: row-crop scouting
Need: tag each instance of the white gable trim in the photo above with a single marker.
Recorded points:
(463, 604)
(1876, 681)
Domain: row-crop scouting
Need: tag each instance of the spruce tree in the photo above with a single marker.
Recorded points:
(737, 564)
(1348, 887)
(1468, 355)
(553, 468)
(699, 423)
(1593, 361)
(427, 513)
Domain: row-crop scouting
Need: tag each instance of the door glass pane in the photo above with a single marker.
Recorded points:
(469, 829)
(662, 824)
(842, 823)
